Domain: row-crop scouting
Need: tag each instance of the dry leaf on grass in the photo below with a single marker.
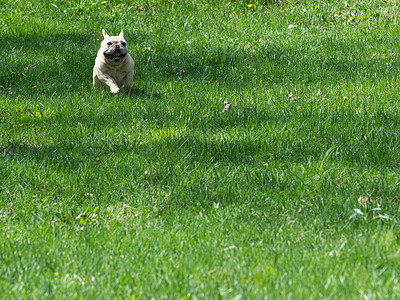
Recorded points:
(227, 106)
(363, 201)
(368, 204)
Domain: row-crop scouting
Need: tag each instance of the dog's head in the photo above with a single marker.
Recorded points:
(114, 47)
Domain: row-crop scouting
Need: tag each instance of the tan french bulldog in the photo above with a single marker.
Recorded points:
(113, 66)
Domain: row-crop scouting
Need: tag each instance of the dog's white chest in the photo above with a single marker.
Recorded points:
(117, 74)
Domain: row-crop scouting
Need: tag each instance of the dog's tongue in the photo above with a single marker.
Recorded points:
(117, 54)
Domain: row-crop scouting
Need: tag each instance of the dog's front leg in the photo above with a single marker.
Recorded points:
(96, 82)
(107, 79)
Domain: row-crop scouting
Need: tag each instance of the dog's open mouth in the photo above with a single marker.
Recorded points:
(116, 56)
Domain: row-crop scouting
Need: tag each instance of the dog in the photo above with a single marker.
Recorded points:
(113, 66)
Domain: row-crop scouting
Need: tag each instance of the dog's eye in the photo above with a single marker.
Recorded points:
(109, 43)
(123, 44)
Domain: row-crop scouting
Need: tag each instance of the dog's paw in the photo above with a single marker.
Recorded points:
(114, 89)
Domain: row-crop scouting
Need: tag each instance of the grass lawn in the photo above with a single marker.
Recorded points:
(293, 192)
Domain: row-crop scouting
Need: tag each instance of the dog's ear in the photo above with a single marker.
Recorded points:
(104, 33)
(121, 34)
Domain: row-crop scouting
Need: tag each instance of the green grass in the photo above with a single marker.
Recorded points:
(162, 194)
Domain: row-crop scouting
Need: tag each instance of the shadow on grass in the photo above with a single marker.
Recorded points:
(261, 139)
(291, 66)
(63, 63)
(144, 92)
(46, 65)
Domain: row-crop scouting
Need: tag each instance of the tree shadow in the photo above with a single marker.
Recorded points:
(226, 138)
(63, 63)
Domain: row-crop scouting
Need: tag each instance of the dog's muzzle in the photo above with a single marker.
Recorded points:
(116, 56)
